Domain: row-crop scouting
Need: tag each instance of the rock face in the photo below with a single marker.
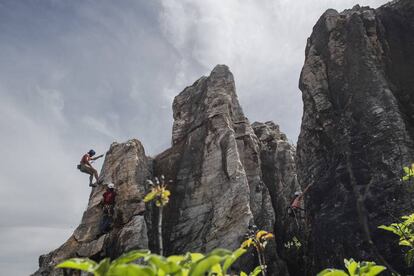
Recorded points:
(278, 168)
(221, 175)
(218, 188)
(127, 167)
(357, 131)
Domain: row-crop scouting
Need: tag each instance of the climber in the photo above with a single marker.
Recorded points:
(297, 202)
(108, 203)
(86, 167)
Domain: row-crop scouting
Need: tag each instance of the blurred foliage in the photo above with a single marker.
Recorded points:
(405, 231)
(294, 243)
(409, 173)
(354, 269)
(217, 263)
(159, 194)
(258, 239)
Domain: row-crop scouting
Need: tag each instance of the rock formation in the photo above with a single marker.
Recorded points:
(127, 167)
(278, 167)
(357, 131)
(218, 189)
(221, 174)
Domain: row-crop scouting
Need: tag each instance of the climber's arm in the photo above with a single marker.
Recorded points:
(97, 157)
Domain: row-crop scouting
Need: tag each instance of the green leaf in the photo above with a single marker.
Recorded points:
(409, 257)
(375, 270)
(242, 273)
(256, 271)
(131, 256)
(195, 256)
(103, 267)
(390, 229)
(220, 252)
(130, 270)
(232, 258)
(80, 264)
(163, 264)
(405, 243)
(204, 265)
(176, 258)
(352, 266)
(216, 270)
(332, 272)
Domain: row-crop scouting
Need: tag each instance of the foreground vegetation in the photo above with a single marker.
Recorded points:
(355, 269)
(218, 262)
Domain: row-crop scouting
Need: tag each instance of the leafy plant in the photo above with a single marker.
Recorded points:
(294, 243)
(354, 269)
(158, 193)
(405, 230)
(258, 239)
(161, 196)
(218, 262)
(409, 173)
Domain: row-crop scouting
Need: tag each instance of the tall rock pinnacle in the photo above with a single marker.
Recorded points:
(357, 131)
(215, 161)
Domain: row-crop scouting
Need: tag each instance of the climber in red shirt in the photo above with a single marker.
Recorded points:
(85, 166)
(108, 203)
(109, 195)
(297, 202)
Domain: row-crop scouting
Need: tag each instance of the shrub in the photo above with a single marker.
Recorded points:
(355, 268)
(218, 262)
(404, 230)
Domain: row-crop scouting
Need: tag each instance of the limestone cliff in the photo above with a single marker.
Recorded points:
(357, 131)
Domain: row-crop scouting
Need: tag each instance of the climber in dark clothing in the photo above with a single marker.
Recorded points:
(85, 166)
(108, 203)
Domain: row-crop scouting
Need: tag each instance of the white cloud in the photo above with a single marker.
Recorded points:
(98, 125)
(263, 42)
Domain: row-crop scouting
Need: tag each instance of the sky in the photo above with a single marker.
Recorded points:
(80, 74)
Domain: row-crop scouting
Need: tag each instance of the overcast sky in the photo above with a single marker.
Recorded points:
(76, 75)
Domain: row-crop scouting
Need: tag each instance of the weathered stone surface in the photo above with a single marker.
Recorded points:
(278, 168)
(221, 174)
(358, 92)
(127, 167)
(215, 164)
